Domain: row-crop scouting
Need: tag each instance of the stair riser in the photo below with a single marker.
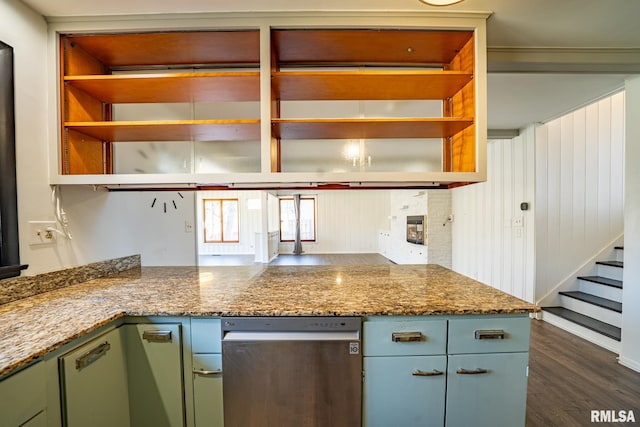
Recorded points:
(582, 332)
(602, 291)
(619, 255)
(599, 313)
(610, 272)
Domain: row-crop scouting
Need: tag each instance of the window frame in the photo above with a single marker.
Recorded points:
(204, 219)
(315, 218)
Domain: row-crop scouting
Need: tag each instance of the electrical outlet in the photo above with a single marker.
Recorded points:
(188, 227)
(38, 233)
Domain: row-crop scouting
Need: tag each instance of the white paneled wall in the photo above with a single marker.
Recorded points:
(493, 240)
(579, 189)
(630, 351)
(347, 222)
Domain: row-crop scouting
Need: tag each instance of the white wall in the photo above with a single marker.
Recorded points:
(404, 203)
(579, 189)
(630, 349)
(104, 225)
(347, 222)
(109, 225)
(439, 228)
(493, 240)
(436, 205)
(26, 32)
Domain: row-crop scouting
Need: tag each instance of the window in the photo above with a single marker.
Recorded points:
(221, 221)
(307, 219)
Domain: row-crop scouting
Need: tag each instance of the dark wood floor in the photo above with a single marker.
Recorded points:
(568, 377)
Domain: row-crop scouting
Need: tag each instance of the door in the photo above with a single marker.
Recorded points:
(94, 383)
(292, 382)
(155, 375)
(404, 391)
(487, 389)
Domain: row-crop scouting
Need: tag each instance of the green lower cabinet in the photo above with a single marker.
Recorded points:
(94, 388)
(404, 391)
(39, 420)
(487, 390)
(154, 367)
(207, 390)
(23, 398)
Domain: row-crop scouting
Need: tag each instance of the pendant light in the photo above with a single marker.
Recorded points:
(440, 2)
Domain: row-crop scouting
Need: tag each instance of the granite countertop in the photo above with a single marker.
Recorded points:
(33, 326)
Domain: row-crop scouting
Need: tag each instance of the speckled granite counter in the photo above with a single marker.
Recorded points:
(34, 326)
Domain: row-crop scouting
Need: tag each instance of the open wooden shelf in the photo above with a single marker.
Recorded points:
(189, 48)
(367, 85)
(367, 46)
(174, 87)
(391, 62)
(373, 128)
(170, 130)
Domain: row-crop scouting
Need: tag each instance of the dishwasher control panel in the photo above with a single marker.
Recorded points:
(291, 324)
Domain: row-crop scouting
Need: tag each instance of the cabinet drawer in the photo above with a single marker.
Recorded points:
(404, 337)
(489, 335)
(22, 395)
(205, 335)
(207, 363)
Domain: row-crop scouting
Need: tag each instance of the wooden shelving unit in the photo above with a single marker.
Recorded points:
(269, 61)
(174, 87)
(389, 65)
(369, 85)
(365, 128)
(90, 89)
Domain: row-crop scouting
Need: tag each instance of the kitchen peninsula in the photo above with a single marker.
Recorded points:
(34, 328)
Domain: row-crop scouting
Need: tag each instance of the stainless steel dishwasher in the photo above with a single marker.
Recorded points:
(292, 371)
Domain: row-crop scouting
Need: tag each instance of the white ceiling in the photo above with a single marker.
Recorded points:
(574, 51)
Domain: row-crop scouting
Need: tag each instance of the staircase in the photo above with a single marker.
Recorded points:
(594, 311)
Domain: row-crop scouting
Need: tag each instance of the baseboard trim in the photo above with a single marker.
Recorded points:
(628, 363)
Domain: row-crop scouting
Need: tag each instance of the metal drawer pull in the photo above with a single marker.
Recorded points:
(406, 336)
(207, 373)
(434, 373)
(157, 336)
(463, 371)
(489, 334)
(92, 355)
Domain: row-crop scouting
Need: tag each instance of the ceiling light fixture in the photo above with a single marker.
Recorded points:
(440, 2)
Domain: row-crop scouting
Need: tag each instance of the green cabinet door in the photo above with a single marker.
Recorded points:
(94, 383)
(404, 391)
(207, 390)
(487, 389)
(154, 361)
(39, 420)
